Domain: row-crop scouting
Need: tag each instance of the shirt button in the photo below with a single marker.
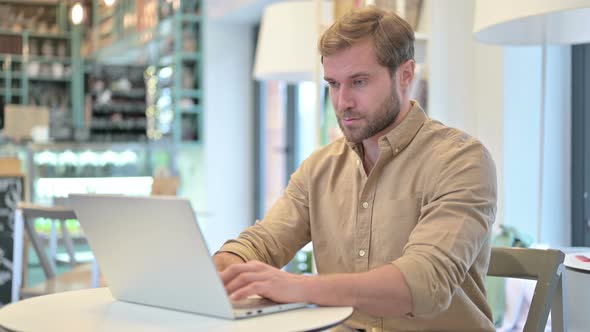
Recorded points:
(358, 162)
(365, 205)
(362, 253)
(396, 150)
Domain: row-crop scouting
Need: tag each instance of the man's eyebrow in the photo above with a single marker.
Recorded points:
(361, 74)
(353, 76)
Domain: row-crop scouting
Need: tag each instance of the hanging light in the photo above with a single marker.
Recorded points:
(77, 13)
(109, 2)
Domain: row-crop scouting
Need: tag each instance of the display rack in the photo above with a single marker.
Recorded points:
(40, 61)
(117, 96)
(165, 35)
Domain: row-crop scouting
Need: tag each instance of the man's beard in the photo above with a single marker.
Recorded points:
(388, 112)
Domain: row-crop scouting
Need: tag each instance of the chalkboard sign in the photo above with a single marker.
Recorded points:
(11, 192)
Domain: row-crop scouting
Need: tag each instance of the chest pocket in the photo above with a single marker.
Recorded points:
(392, 223)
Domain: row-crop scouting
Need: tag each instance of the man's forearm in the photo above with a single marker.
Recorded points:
(379, 292)
(224, 259)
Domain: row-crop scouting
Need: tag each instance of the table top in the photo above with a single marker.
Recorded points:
(578, 261)
(96, 310)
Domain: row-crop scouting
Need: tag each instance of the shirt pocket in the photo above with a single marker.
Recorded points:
(403, 207)
(393, 222)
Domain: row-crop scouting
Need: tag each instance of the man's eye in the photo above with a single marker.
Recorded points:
(359, 82)
(333, 84)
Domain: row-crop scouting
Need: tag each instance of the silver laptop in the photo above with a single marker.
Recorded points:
(151, 251)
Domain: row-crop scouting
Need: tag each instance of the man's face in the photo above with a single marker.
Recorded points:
(364, 94)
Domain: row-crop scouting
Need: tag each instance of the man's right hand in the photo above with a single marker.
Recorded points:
(224, 259)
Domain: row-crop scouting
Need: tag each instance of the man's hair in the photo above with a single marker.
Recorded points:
(392, 36)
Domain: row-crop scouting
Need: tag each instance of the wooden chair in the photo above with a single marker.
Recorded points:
(79, 277)
(545, 266)
(30, 212)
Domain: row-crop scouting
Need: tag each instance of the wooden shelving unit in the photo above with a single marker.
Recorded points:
(40, 60)
(166, 36)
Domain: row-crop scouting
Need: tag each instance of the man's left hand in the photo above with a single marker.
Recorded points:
(257, 278)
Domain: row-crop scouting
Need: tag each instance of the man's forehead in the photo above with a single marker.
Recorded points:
(360, 57)
(349, 69)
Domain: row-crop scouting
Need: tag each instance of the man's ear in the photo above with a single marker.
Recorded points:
(406, 73)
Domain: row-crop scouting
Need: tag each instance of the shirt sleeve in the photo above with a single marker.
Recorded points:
(453, 229)
(283, 231)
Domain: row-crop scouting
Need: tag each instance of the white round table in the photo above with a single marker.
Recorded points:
(97, 310)
(577, 287)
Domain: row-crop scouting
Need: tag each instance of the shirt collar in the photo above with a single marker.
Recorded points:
(400, 136)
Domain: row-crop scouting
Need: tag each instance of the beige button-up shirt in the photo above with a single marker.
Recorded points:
(427, 206)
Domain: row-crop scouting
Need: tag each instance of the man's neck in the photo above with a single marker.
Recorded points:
(371, 144)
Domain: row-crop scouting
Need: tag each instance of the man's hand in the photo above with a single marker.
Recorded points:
(382, 291)
(257, 278)
(224, 259)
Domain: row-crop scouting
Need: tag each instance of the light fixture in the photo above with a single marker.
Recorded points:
(533, 22)
(77, 13)
(109, 3)
(287, 46)
(287, 41)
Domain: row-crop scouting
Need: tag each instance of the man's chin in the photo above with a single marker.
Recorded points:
(353, 138)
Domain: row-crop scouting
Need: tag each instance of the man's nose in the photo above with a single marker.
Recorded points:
(345, 100)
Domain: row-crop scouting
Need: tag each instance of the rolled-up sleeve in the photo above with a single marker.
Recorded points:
(454, 225)
(283, 231)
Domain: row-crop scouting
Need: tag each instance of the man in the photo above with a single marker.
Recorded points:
(399, 211)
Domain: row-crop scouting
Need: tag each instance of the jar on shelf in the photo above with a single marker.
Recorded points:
(47, 48)
(62, 49)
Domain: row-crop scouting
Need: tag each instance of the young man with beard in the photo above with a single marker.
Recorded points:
(399, 211)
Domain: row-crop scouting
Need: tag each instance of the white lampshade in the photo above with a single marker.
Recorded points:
(532, 22)
(287, 41)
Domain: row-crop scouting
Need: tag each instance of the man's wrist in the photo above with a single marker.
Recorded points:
(224, 259)
(312, 288)
(336, 289)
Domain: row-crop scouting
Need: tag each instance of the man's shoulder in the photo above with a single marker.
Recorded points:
(334, 149)
(442, 138)
(331, 154)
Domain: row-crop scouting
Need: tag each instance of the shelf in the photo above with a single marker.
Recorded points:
(190, 94)
(12, 57)
(33, 2)
(119, 130)
(120, 47)
(35, 34)
(168, 60)
(58, 35)
(10, 33)
(197, 109)
(166, 44)
(190, 56)
(124, 110)
(13, 75)
(39, 58)
(50, 79)
(194, 109)
(131, 94)
(13, 92)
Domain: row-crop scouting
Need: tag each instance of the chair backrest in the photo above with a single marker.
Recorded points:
(545, 266)
(30, 212)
